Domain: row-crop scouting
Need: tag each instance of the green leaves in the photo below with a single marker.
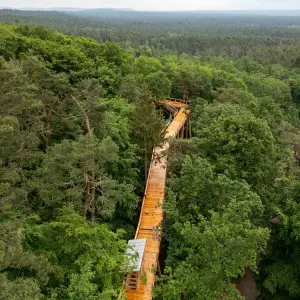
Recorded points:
(79, 58)
(145, 65)
(72, 152)
(193, 81)
(22, 288)
(213, 233)
(239, 144)
(159, 84)
(22, 272)
(148, 127)
(86, 257)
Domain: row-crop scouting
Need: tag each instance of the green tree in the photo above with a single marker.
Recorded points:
(145, 65)
(278, 90)
(212, 232)
(22, 272)
(280, 267)
(193, 81)
(238, 143)
(159, 84)
(148, 126)
(86, 257)
(130, 88)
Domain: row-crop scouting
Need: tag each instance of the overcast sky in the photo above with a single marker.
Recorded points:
(158, 4)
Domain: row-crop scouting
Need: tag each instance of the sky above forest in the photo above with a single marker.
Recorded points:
(158, 4)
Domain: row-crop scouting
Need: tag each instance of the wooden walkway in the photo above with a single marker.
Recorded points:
(151, 215)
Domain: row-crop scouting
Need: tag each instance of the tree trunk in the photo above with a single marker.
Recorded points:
(88, 127)
(296, 158)
(91, 184)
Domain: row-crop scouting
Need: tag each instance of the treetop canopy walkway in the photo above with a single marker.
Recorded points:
(140, 281)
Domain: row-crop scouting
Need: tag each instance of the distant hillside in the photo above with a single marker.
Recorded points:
(125, 13)
(77, 21)
(66, 9)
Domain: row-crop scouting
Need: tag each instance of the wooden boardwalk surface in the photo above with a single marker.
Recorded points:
(152, 211)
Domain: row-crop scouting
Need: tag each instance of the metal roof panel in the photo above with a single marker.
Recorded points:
(135, 252)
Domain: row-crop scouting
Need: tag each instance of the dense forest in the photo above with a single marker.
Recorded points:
(78, 122)
(264, 38)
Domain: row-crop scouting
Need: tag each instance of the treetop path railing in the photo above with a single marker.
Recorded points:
(139, 284)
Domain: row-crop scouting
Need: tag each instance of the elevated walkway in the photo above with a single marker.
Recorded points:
(151, 217)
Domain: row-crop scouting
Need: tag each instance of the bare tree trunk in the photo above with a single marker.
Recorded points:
(89, 130)
(90, 193)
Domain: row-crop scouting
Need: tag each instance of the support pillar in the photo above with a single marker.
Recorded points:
(182, 132)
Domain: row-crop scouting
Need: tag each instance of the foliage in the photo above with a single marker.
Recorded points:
(213, 232)
(86, 257)
(78, 123)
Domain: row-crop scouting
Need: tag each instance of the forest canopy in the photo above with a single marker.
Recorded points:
(79, 120)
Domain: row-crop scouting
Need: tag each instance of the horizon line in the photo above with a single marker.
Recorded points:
(146, 10)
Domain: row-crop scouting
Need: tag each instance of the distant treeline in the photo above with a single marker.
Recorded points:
(274, 39)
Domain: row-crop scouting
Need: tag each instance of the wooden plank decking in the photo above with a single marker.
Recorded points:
(152, 211)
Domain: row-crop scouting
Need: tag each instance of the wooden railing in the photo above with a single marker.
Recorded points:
(187, 102)
(151, 214)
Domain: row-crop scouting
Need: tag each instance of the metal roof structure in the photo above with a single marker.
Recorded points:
(135, 252)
